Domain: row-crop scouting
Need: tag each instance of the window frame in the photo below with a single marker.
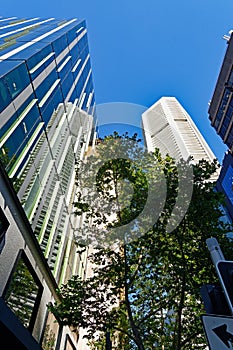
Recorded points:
(22, 255)
(5, 225)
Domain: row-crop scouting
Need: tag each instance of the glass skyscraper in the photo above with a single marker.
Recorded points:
(47, 123)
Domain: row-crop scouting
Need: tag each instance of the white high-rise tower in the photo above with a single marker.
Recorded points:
(169, 127)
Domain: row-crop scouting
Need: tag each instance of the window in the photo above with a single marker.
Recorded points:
(23, 291)
(4, 224)
(229, 140)
(222, 108)
(17, 80)
(5, 99)
(227, 183)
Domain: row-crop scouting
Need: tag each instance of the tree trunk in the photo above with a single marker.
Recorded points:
(179, 331)
(182, 296)
(137, 336)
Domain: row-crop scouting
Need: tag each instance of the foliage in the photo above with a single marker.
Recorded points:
(145, 280)
(49, 339)
(6, 161)
(4, 156)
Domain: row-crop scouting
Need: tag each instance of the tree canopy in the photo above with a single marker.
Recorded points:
(145, 221)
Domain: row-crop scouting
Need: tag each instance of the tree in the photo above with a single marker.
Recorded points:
(146, 277)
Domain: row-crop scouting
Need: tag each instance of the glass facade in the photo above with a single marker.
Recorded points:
(225, 183)
(221, 105)
(224, 117)
(23, 292)
(221, 116)
(47, 122)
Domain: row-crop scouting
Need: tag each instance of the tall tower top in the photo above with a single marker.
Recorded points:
(170, 128)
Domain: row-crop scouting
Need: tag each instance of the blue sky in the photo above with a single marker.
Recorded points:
(143, 50)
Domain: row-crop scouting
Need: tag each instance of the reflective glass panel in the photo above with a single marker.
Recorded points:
(17, 80)
(23, 292)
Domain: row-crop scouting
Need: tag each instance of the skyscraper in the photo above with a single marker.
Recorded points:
(169, 127)
(47, 120)
(221, 104)
(221, 117)
(47, 123)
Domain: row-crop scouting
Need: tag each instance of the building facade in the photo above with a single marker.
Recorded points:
(225, 184)
(167, 126)
(221, 117)
(27, 283)
(221, 105)
(47, 124)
